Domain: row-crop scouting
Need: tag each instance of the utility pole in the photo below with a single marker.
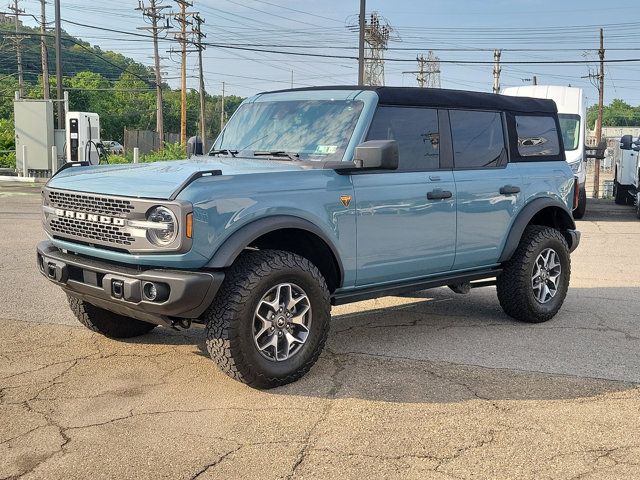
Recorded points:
(433, 70)
(361, 27)
(60, 98)
(222, 109)
(421, 67)
(596, 177)
(43, 50)
(18, 41)
(428, 73)
(377, 34)
(291, 78)
(496, 70)
(183, 72)
(181, 36)
(154, 13)
(200, 46)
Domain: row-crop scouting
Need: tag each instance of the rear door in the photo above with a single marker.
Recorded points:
(488, 186)
(406, 219)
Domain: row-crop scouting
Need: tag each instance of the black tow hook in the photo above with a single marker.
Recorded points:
(181, 324)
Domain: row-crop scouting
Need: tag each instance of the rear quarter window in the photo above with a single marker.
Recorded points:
(537, 136)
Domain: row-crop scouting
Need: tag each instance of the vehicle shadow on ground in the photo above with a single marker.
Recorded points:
(438, 347)
(608, 211)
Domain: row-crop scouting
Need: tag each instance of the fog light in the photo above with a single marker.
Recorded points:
(155, 292)
(150, 291)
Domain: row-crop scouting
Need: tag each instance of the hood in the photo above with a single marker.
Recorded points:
(159, 179)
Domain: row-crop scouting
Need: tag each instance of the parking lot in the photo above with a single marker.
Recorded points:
(431, 385)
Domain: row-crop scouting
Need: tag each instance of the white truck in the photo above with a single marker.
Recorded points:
(572, 114)
(626, 184)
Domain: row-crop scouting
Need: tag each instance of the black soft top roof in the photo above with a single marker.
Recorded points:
(441, 97)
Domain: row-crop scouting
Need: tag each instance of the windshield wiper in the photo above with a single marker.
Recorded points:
(276, 153)
(224, 151)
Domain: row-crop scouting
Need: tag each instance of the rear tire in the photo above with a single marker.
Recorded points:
(257, 330)
(107, 323)
(579, 212)
(519, 290)
(620, 193)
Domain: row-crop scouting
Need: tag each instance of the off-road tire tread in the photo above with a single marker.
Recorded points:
(107, 323)
(222, 316)
(514, 280)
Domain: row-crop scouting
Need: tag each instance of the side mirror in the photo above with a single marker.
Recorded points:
(377, 154)
(626, 142)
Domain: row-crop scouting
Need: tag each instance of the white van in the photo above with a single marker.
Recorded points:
(572, 113)
(626, 185)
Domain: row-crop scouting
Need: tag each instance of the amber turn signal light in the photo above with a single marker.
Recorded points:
(189, 228)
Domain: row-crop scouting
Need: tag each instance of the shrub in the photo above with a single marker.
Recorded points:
(170, 151)
(8, 160)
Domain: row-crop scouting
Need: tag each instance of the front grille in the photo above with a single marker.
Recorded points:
(114, 207)
(90, 230)
(105, 221)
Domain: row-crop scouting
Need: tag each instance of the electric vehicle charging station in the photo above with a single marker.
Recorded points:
(83, 137)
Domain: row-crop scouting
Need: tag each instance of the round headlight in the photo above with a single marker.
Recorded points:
(167, 230)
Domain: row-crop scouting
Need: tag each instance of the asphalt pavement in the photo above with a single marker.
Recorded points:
(432, 385)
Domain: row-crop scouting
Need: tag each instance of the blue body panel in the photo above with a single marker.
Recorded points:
(484, 215)
(402, 234)
(390, 231)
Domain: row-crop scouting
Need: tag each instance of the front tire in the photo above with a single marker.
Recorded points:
(270, 320)
(107, 323)
(579, 212)
(534, 282)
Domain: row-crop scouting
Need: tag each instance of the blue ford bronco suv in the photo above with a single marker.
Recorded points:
(317, 197)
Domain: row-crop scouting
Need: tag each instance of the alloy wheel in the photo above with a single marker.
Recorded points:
(547, 271)
(281, 322)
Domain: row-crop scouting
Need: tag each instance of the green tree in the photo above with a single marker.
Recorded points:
(7, 142)
(617, 114)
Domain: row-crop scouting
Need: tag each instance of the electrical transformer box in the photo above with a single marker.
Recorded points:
(34, 136)
(83, 137)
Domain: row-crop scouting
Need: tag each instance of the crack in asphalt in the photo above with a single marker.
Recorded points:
(332, 393)
(215, 463)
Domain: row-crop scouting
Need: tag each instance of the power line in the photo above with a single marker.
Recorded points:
(350, 57)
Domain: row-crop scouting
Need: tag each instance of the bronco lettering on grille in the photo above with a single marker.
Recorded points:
(89, 217)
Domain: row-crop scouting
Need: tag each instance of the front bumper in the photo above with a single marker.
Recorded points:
(120, 289)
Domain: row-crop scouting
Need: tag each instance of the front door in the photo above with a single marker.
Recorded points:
(406, 219)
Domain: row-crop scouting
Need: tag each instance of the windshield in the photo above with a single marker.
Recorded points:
(570, 127)
(309, 129)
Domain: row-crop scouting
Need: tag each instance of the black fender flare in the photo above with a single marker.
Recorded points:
(226, 254)
(525, 216)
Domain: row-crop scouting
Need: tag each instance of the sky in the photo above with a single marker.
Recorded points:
(458, 32)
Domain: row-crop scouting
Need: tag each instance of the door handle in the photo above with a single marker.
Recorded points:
(439, 194)
(509, 190)
(434, 178)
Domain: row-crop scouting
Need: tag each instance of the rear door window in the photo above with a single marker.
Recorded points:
(415, 130)
(537, 136)
(478, 139)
